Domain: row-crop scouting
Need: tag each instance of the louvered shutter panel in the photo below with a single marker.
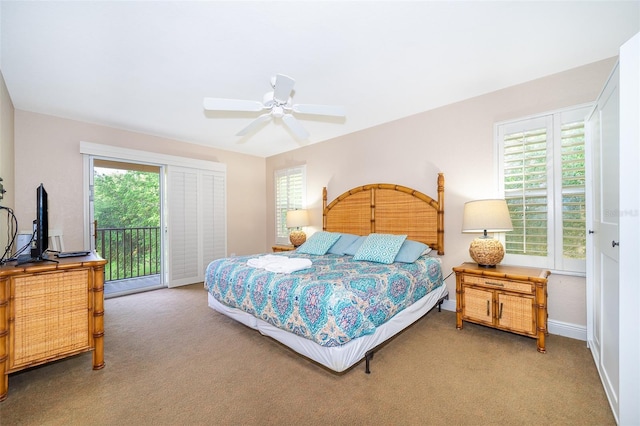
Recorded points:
(525, 188)
(542, 175)
(290, 189)
(196, 202)
(573, 191)
(214, 241)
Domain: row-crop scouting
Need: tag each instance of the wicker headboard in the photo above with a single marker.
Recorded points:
(388, 209)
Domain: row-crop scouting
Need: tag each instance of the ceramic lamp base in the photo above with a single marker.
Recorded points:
(487, 252)
(297, 238)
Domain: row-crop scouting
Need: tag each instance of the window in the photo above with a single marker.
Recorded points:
(290, 186)
(542, 177)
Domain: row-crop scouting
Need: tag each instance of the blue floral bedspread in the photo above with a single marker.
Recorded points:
(336, 300)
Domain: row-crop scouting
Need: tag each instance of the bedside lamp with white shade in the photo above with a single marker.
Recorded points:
(486, 216)
(296, 219)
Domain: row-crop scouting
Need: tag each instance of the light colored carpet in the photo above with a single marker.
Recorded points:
(171, 360)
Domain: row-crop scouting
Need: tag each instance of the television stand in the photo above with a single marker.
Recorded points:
(25, 258)
(50, 311)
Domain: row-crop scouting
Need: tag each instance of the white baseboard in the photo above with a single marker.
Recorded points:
(573, 331)
(449, 305)
(558, 328)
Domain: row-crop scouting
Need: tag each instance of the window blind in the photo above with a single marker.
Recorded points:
(542, 171)
(290, 187)
(573, 190)
(525, 190)
(196, 201)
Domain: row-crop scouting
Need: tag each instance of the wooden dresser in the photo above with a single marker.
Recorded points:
(509, 298)
(49, 311)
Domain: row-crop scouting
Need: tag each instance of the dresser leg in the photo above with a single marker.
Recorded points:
(4, 337)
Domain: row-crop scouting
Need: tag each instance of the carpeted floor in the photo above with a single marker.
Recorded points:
(171, 360)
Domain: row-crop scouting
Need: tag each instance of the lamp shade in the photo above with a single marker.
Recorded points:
(486, 216)
(297, 218)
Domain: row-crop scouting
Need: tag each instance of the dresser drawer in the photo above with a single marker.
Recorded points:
(499, 283)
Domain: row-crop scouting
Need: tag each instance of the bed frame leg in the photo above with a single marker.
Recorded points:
(368, 357)
(441, 301)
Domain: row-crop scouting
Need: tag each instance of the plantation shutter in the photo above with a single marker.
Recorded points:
(542, 176)
(196, 201)
(290, 187)
(573, 190)
(526, 181)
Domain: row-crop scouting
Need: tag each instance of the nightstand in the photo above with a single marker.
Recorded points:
(508, 298)
(279, 247)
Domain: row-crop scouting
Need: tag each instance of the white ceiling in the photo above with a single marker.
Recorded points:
(147, 65)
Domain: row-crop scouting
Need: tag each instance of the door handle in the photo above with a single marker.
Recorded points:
(615, 243)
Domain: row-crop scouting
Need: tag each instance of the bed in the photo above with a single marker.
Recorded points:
(352, 286)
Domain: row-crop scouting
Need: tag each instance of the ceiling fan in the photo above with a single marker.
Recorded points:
(276, 104)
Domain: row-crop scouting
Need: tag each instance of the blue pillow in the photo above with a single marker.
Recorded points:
(342, 244)
(411, 250)
(381, 248)
(354, 246)
(319, 243)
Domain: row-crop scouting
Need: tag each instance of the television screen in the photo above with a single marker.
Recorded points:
(41, 235)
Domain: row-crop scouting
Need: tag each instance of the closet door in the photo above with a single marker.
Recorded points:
(196, 222)
(603, 276)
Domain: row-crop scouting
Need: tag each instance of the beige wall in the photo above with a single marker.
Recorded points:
(456, 139)
(6, 157)
(47, 150)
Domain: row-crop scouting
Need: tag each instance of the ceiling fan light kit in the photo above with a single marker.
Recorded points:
(278, 104)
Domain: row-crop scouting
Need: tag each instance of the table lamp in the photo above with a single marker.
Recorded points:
(486, 216)
(296, 219)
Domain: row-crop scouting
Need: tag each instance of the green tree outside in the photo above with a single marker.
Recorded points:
(127, 211)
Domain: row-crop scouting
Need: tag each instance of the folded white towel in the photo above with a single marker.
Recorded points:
(260, 262)
(279, 264)
(292, 264)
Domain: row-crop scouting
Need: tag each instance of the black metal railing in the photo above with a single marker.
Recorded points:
(130, 252)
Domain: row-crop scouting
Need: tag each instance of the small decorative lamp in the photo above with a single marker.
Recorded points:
(297, 219)
(486, 216)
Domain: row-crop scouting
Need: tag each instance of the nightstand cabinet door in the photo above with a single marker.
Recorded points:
(478, 305)
(516, 313)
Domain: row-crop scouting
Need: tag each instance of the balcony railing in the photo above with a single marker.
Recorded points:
(130, 252)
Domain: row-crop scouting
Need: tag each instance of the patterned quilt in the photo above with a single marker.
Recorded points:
(336, 300)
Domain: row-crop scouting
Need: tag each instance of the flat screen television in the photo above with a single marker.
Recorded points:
(41, 225)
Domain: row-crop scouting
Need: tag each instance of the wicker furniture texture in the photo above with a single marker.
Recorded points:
(277, 248)
(49, 311)
(508, 298)
(388, 209)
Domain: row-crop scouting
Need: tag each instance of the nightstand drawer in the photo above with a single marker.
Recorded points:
(497, 283)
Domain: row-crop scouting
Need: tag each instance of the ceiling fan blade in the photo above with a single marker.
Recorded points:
(282, 88)
(221, 104)
(254, 125)
(295, 126)
(332, 110)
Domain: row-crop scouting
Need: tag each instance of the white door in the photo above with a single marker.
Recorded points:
(603, 276)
